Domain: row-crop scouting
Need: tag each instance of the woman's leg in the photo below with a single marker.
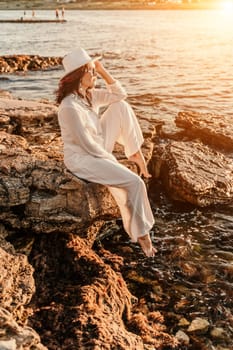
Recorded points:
(139, 159)
(129, 191)
(120, 124)
(129, 222)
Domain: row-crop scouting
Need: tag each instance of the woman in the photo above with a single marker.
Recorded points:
(89, 140)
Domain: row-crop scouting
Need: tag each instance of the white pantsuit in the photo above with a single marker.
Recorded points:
(88, 144)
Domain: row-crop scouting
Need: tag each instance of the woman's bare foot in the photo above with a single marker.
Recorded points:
(139, 159)
(146, 245)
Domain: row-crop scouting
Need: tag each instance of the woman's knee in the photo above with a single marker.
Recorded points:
(121, 106)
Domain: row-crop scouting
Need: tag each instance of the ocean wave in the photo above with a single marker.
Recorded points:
(144, 100)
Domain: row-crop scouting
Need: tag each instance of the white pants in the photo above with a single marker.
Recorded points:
(120, 124)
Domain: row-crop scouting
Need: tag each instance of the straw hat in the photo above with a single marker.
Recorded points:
(76, 59)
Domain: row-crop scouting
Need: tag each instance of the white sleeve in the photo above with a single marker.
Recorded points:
(104, 97)
(73, 122)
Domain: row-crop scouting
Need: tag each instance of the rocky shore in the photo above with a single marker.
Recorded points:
(59, 287)
(23, 63)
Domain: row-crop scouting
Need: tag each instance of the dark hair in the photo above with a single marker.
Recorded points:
(70, 83)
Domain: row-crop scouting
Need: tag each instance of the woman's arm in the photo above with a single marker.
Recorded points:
(105, 75)
(114, 92)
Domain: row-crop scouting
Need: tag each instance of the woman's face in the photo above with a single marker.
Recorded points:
(89, 77)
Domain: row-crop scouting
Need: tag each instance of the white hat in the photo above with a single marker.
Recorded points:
(76, 59)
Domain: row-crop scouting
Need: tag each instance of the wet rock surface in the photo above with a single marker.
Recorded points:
(189, 288)
(94, 289)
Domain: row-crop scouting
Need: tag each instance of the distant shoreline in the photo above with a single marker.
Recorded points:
(5, 5)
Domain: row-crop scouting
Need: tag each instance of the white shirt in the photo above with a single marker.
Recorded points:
(80, 124)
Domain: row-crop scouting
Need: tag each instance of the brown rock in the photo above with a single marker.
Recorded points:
(13, 189)
(13, 336)
(16, 290)
(169, 130)
(199, 325)
(52, 197)
(4, 93)
(218, 332)
(37, 122)
(213, 130)
(16, 281)
(194, 173)
(84, 301)
(15, 63)
(182, 337)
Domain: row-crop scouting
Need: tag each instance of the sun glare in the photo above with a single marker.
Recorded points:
(227, 6)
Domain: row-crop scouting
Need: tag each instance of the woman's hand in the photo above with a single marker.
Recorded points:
(103, 73)
(99, 67)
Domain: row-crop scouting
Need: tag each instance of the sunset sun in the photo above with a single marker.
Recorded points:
(227, 6)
